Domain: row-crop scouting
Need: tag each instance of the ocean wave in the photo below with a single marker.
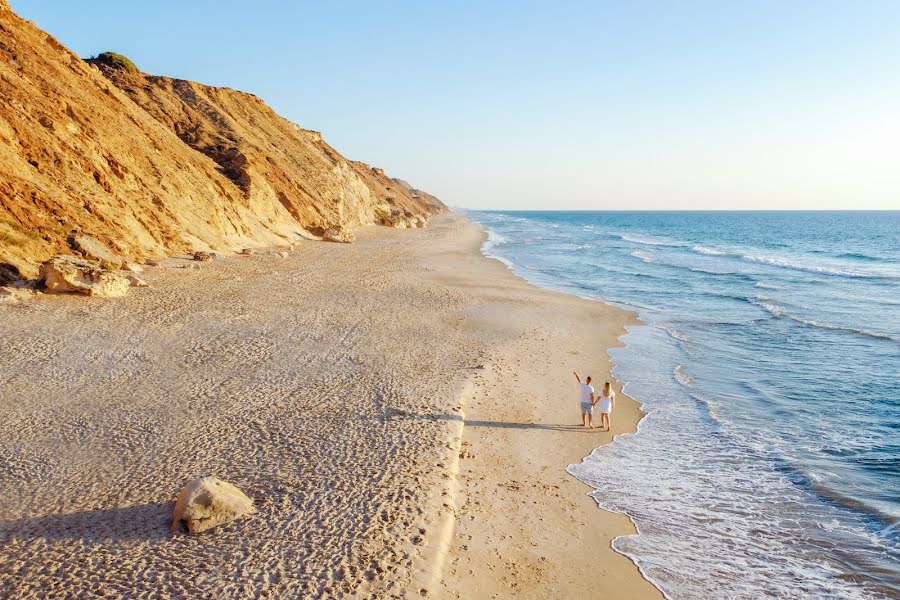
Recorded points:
(675, 334)
(648, 240)
(709, 251)
(860, 256)
(494, 238)
(766, 286)
(864, 332)
(763, 260)
(644, 256)
(766, 303)
(779, 311)
(651, 258)
(816, 269)
(721, 272)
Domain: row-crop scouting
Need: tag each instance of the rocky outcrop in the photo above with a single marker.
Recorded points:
(337, 234)
(135, 281)
(147, 166)
(72, 275)
(201, 256)
(206, 503)
(92, 249)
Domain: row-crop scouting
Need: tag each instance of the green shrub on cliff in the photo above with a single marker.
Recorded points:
(115, 60)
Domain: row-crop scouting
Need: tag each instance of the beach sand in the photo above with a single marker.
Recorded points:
(401, 409)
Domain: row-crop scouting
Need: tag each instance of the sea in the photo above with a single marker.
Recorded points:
(767, 361)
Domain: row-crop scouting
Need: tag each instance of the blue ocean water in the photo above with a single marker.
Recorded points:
(768, 362)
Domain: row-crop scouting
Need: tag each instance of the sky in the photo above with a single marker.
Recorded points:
(603, 105)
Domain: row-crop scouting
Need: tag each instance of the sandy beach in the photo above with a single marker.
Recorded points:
(401, 409)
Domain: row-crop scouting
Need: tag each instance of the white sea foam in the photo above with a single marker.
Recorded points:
(675, 334)
(769, 305)
(709, 251)
(488, 248)
(494, 238)
(857, 330)
(815, 269)
(682, 377)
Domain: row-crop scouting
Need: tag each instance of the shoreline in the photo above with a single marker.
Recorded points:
(635, 429)
(490, 556)
(393, 406)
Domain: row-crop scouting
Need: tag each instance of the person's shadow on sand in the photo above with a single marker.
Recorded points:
(509, 425)
(144, 522)
(496, 424)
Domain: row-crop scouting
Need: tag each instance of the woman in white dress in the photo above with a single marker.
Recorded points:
(605, 403)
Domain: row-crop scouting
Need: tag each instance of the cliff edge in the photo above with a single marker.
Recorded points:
(151, 165)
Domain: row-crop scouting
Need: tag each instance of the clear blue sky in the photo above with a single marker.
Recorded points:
(585, 105)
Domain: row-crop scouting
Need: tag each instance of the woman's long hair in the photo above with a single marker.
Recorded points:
(607, 389)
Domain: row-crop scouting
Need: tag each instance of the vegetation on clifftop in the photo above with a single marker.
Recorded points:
(115, 60)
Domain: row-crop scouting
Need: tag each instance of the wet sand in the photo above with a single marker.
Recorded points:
(401, 409)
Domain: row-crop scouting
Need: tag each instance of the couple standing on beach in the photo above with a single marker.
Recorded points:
(590, 400)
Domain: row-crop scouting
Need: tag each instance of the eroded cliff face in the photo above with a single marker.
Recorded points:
(152, 165)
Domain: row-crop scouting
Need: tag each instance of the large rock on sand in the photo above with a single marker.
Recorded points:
(205, 503)
(337, 234)
(72, 275)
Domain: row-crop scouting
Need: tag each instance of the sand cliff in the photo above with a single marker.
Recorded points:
(151, 165)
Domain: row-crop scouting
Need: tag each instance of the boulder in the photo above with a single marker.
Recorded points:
(201, 256)
(135, 281)
(93, 249)
(151, 262)
(337, 234)
(72, 275)
(206, 503)
(133, 267)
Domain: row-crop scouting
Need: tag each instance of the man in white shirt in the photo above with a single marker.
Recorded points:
(587, 401)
